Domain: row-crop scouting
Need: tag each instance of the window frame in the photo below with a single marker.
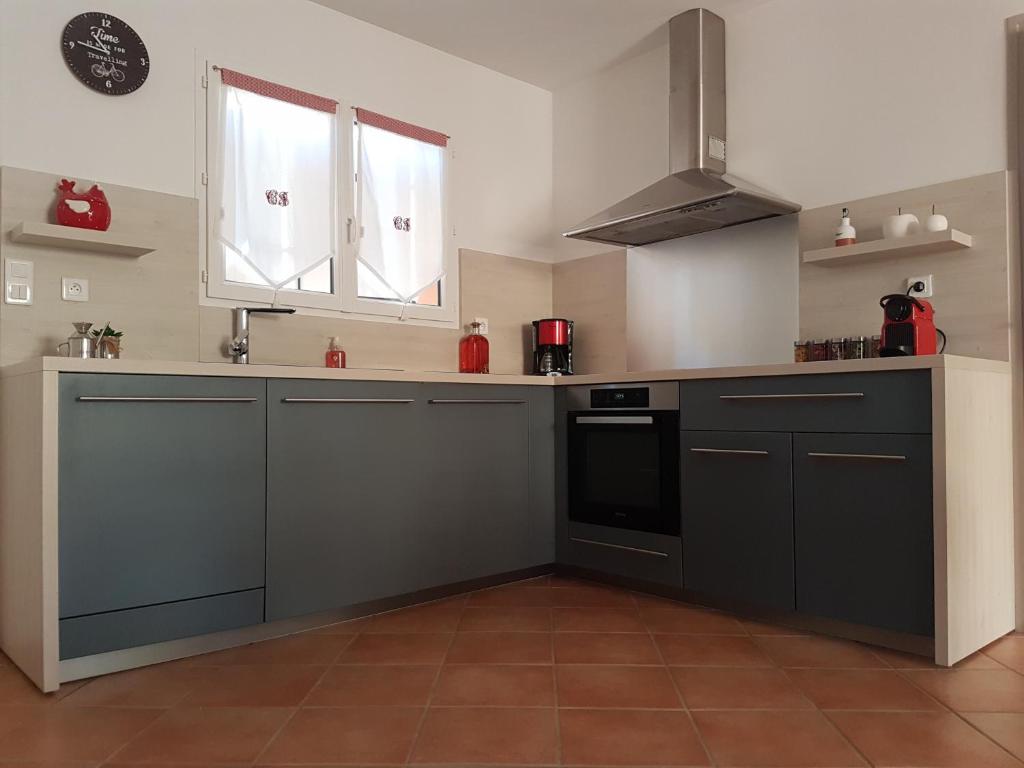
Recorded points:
(344, 302)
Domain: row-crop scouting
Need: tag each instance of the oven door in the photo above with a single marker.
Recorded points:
(624, 470)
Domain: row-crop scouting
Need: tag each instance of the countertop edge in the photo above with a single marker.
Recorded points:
(183, 368)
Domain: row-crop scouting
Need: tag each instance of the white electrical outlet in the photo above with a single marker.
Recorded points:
(74, 289)
(18, 280)
(483, 324)
(927, 280)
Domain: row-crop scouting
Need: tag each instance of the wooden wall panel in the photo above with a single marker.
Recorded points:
(592, 291)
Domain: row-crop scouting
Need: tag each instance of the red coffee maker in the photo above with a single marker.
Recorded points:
(552, 347)
(908, 327)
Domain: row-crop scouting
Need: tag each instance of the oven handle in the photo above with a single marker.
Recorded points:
(638, 550)
(614, 419)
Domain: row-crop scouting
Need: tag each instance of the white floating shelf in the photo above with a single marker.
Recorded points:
(911, 245)
(58, 236)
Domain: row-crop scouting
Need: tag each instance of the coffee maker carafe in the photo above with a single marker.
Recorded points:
(552, 347)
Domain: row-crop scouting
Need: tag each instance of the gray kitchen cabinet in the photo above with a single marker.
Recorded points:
(346, 518)
(864, 531)
(161, 498)
(477, 475)
(737, 517)
(638, 556)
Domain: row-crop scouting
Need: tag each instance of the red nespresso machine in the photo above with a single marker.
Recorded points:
(908, 327)
(552, 347)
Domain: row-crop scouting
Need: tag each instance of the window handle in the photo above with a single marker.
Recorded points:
(348, 229)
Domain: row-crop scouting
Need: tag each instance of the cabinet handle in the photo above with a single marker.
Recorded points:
(349, 400)
(731, 451)
(476, 402)
(800, 396)
(876, 456)
(638, 550)
(614, 419)
(104, 399)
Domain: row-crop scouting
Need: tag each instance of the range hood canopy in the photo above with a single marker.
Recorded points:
(698, 195)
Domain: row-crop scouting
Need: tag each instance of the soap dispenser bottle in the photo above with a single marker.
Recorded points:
(845, 232)
(335, 356)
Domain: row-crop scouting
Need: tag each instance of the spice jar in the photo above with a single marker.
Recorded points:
(855, 348)
(819, 349)
(874, 347)
(837, 349)
(801, 351)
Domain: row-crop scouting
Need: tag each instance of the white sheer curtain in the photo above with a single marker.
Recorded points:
(401, 204)
(278, 177)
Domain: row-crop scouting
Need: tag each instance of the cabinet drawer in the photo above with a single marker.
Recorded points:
(633, 554)
(102, 632)
(887, 401)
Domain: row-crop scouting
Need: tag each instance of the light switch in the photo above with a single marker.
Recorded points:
(18, 277)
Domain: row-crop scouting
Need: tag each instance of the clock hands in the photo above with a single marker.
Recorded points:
(101, 47)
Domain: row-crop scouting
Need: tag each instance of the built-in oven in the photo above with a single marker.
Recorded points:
(624, 456)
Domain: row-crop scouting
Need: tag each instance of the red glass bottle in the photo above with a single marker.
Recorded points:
(474, 351)
(335, 355)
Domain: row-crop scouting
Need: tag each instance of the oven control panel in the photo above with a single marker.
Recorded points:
(654, 396)
(632, 397)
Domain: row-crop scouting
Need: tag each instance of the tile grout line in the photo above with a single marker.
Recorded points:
(675, 685)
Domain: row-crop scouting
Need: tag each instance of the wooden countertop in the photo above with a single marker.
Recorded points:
(182, 368)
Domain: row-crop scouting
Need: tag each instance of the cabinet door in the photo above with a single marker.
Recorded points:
(342, 494)
(476, 467)
(161, 490)
(864, 544)
(737, 508)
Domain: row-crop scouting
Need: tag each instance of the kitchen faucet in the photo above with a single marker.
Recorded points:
(239, 345)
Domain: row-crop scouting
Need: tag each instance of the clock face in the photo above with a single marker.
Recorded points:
(105, 53)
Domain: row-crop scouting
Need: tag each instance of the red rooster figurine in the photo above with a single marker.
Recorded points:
(75, 209)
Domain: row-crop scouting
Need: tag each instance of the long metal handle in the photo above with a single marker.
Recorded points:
(349, 400)
(638, 550)
(614, 419)
(104, 399)
(736, 451)
(476, 402)
(877, 456)
(800, 396)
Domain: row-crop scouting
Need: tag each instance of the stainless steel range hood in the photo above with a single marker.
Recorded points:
(698, 195)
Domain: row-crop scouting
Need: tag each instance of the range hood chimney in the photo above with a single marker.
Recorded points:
(698, 195)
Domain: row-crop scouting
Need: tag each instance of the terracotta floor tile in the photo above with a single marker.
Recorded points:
(711, 651)
(974, 690)
(900, 660)
(255, 685)
(764, 628)
(792, 739)
(403, 648)
(346, 735)
(501, 648)
(725, 688)
(536, 597)
(1005, 728)
(350, 627)
(509, 736)
(17, 689)
(597, 687)
(40, 734)
(605, 648)
(590, 597)
(303, 648)
(557, 582)
(433, 617)
(484, 618)
(689, 621)
(374, 684)
(1008, 650)
(934, 739)
(161, 685)
(518, 685)
(629, 737)
(861, 689)
(598, 620)
(819, 652)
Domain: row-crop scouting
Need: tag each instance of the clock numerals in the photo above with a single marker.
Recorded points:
(143, 61)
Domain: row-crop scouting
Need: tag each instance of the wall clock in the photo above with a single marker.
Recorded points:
(105, 53)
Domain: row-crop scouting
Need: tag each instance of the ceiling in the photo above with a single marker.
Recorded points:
(549, 43)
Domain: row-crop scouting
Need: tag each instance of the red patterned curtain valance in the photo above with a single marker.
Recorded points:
(400, 127)
(275, 91)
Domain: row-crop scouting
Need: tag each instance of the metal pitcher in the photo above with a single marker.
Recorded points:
(80, 344)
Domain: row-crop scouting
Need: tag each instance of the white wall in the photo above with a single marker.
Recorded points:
(709, 300)
(828, 100)
(501, 127)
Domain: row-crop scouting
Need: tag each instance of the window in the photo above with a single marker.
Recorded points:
(282, 229)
